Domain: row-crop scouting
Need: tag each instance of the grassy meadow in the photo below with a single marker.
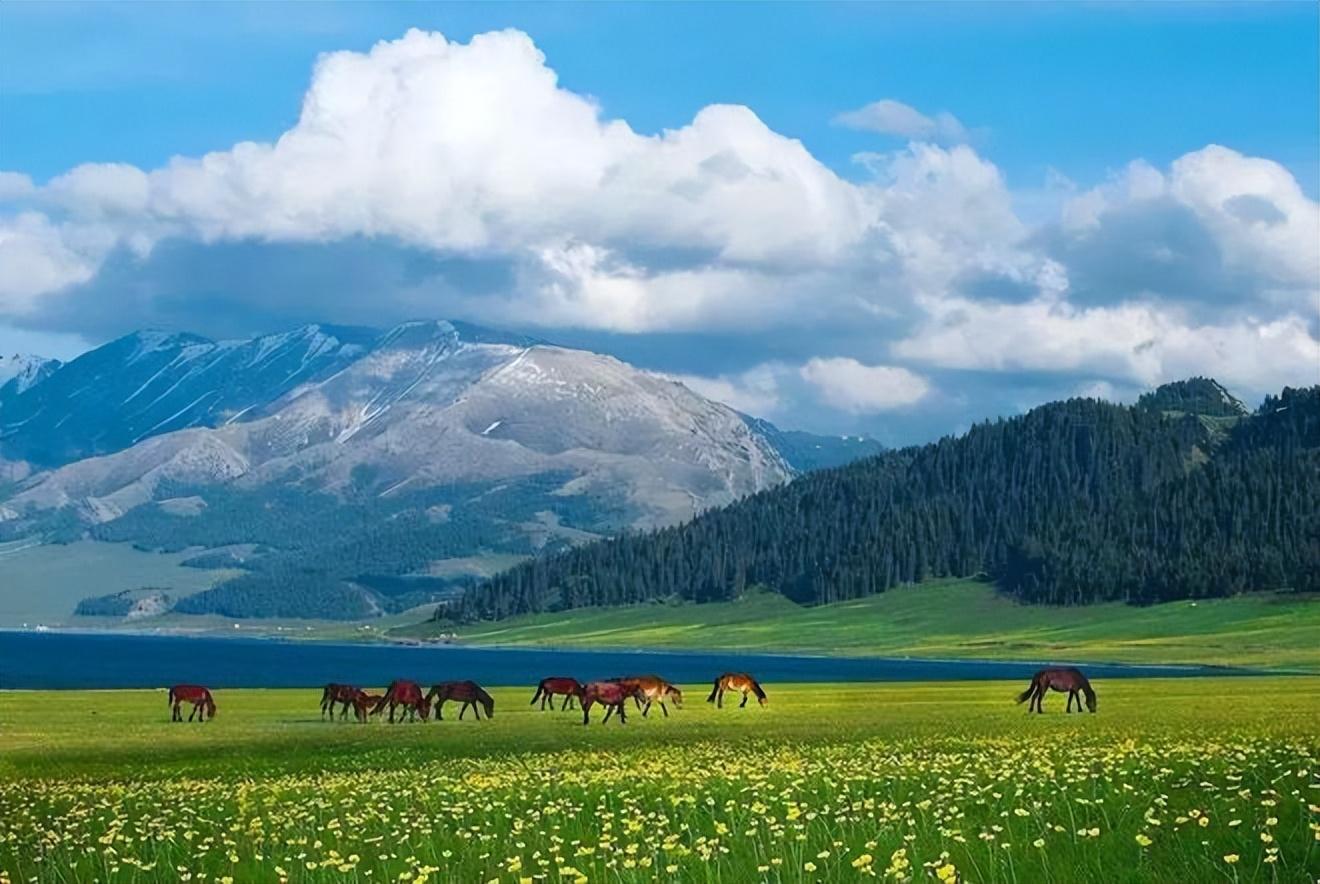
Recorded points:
(1173, 780)
(943, 618)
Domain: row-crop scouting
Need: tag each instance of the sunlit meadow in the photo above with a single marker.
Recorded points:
(1181, 780)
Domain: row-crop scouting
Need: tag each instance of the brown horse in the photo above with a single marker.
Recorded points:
(350, 696)
(1061, 679)
(549, 687)
(610, 694)
(407, 694)
(200, 698)
(652, 689)
(736, 681)
(468, 692)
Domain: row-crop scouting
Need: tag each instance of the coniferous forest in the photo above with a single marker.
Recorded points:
(1183, 495)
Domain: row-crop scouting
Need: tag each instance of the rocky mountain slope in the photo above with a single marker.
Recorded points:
(449, 439)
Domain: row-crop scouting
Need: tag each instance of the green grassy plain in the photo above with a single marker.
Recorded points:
(951, 618)
(43, 582)
(1182, 780)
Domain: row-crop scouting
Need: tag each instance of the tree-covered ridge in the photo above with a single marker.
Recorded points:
(1073, 502)
(1197, 395)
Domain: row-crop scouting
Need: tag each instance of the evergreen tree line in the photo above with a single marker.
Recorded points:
(1072, 503)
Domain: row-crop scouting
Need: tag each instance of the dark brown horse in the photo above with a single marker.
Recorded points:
(469, 693)
(352, 697)
(1062, 679)
(407, 694)
(611, 694)
(200, 698)
(549, 687)
(650, 689)
(736, 681)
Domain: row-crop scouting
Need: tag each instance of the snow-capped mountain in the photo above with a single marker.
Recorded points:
(21, 371)
(151, 382)
(423, 405)
(360, 461)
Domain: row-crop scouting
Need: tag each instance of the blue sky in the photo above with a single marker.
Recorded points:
(1078, 147)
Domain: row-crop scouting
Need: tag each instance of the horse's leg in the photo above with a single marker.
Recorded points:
(647, 710)
(719, 699)
(609, 710)
(1070, 701)
(623, 712)
(545, 696)
(744, 702)
(564, 705)
(586, 713)
(462, 710)
(664, 708)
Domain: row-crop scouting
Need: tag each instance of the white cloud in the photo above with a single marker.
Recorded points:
(475, 151)
(1264, 230)
(756, 391)
(851, 386)
(37, 257)
(890, 117)
(1136, 342)
(15, 186)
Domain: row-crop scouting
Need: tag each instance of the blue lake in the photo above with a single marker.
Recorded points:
(49, 660)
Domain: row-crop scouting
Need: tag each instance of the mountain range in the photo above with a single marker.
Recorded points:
(451, 439)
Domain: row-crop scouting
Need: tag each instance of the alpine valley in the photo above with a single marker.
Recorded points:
(344, 473)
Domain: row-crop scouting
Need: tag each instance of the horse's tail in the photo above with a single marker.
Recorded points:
(210, 704)
(539, 689)
(1026, 695)
(169, 701)
(383, 701)
(715, 690)
(488, 701)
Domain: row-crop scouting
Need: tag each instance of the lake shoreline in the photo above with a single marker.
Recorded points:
(90, 660)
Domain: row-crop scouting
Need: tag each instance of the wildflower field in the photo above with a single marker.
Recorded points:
(1179, 781)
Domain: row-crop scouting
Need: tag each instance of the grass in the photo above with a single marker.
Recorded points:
(43, 583)
(951, 618)
(1177, 780)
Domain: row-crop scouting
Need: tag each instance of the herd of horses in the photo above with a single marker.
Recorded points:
(406, 698)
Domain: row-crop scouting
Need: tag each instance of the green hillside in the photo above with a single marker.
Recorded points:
(953, 618)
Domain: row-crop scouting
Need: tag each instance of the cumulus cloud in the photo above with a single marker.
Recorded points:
(1217, 226)
(757, 391)
(890, 117)
(461, 179)
(38, 257)
(853, 387)
(1132, 341)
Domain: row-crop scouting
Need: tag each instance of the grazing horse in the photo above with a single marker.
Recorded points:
(364, 704)
(200, 698)
(736, 681)
(347, 694)
(407, 694)
(545, 691)
(652, 689)
(468, 692)
(1061, 679)
(610, 694)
